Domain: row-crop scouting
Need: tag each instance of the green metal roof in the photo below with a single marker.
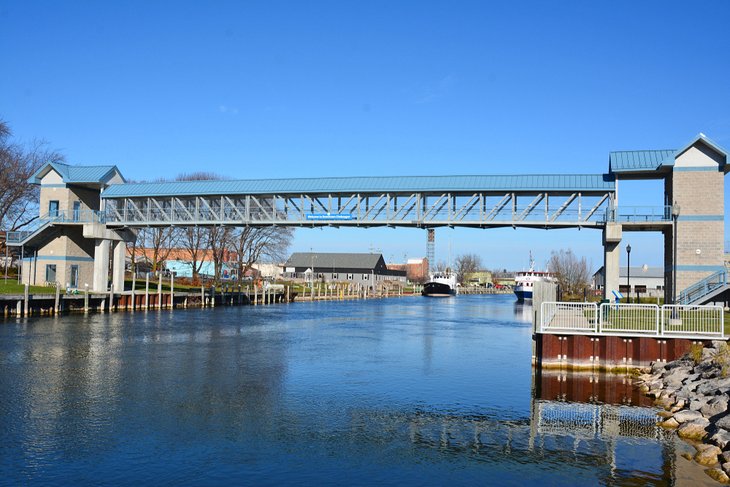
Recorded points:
(639, 160)
(76, 174)
(598, 183)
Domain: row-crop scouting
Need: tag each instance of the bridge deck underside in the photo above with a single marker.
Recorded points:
(479, 209)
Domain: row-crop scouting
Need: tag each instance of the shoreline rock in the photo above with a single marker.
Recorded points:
(694, 392)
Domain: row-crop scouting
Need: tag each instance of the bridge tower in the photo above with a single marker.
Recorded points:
(695, 187)
(693, 224)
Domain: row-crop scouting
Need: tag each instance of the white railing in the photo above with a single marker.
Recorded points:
(569, 317)
(676, 321)
(641, 319)
(693, 320)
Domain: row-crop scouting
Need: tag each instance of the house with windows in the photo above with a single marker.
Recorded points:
(359, 269)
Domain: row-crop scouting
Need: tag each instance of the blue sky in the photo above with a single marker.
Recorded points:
(314, 89)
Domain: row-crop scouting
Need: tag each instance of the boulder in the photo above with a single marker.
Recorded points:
(669, 423)
(698, 402)
(726, 456)
(721, 438)
(707, 455)
(718, 474)
(715, 406)
(726, 467)
(657, 367)
(687, 415)
(694, 430)
(724, 423)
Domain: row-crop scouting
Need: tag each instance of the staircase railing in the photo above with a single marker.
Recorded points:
(72, 216)
(702, 288)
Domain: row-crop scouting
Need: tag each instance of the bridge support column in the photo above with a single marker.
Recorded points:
(611, 253)
(101, 265)
(119, 256)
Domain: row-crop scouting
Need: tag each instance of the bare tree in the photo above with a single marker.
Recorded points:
(219, 243)
(467, 264)
(257, 244)
(156, 245)
(17, 164)
(573, 274)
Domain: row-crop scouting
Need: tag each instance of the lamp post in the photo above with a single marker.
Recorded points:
(628, 270)
(675, 217)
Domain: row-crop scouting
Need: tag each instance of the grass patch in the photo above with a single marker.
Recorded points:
(12, 287)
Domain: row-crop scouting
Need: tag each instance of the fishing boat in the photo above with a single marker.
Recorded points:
(441, 285)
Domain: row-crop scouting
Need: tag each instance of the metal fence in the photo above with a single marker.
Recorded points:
(641, 319)
(677, 321)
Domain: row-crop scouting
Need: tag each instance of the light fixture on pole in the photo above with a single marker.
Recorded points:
(628, 270)
(675, 217)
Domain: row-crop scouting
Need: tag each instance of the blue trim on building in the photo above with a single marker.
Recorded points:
(700, 218)
(700, 268)
(64, 258)
(697, 169)
(60, 185)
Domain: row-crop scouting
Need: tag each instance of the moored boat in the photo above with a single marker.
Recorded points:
(441, 285)
(525, 281)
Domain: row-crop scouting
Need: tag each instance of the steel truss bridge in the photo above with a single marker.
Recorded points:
(539, 201)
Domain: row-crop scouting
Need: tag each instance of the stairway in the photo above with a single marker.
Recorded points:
(705, 290)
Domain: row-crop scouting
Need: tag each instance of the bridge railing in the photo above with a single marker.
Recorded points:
(633, 320)
(639, 214)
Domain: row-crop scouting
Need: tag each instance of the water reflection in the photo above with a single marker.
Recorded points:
(411, 391)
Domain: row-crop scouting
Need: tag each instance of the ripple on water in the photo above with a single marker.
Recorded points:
(397, 391)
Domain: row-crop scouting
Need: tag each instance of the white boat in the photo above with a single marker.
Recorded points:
(525, 281)
(441, 285)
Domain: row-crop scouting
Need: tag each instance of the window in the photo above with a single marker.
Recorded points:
(74, 278)
(77, 211)
(334, 276)
(53, 208)
(50, 272)
(350, 277)
(365, 277)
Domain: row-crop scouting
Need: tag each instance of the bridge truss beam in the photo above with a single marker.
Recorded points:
(473, 209)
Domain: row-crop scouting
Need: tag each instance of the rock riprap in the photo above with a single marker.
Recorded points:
(695, 393)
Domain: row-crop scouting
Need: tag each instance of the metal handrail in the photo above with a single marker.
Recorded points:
(703, 287)
(632, 320)
(72, 216)
(639, 214)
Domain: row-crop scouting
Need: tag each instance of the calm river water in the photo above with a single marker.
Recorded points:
(407, 391)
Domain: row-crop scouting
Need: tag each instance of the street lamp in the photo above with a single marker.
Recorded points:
(628, 269)
(675, 217)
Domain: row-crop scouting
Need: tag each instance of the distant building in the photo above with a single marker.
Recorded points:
(479, 278)
(651, 278)
(416, 269)
(365, 269)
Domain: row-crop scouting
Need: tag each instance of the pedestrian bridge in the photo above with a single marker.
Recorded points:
(545, 201)
(85, 209)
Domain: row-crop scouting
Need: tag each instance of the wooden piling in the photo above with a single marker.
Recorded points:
(57, 301)
(159, 292)
(26, 299)
(134, 288)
